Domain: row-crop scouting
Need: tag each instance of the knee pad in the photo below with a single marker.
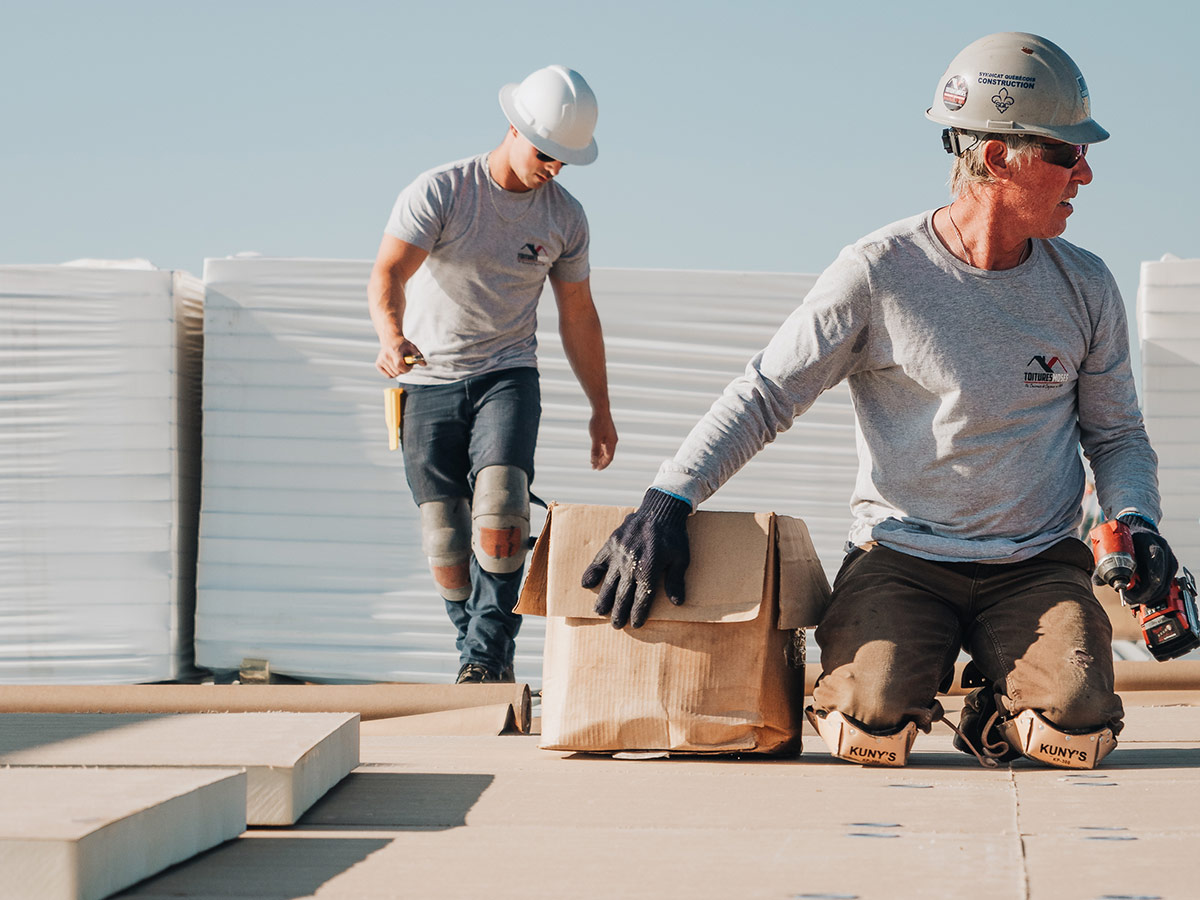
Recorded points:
(446, 540)
(1038, 739)
(846, 739)
(500, 519)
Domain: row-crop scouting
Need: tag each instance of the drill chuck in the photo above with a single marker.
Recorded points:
(1116, 570)
(1112, 550)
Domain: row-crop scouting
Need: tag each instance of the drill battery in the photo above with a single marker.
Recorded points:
(1171, 627)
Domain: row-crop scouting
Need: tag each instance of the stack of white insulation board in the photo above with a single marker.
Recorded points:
(86, 833)
(99, 472)
(290, 759)
(1168, 311)
(310, 551)
(95, 802)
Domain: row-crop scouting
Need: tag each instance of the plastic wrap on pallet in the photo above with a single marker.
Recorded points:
(99, 472)
(1168, 316)
(310, 552)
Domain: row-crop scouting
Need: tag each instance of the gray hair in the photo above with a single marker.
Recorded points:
(970, 169)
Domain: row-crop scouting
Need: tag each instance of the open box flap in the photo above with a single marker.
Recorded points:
(715, 592)
(803, 588)
(532, 601)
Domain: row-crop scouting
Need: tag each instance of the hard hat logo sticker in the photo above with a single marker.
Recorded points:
(1003, 100)
(954, 94)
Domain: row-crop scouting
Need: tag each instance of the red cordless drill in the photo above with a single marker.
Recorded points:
(1170, 626)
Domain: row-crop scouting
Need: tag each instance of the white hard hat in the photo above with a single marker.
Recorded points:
(555, 110)
(1016, 82)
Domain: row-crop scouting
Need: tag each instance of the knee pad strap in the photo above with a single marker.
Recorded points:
(846, 739)
(1040, 740)
(500, 518)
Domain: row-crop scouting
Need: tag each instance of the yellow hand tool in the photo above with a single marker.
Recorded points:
(393, 410)
(393, 404)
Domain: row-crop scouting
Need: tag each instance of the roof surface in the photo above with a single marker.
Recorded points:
(495, 817)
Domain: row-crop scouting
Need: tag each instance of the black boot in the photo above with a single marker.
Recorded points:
(977, 724)
(472, 673)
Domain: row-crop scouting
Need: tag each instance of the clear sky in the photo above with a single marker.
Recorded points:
(756, 136)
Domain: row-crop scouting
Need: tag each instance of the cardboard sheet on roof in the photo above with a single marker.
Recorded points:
(722, 673)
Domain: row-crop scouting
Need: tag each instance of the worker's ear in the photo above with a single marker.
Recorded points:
(995, 158)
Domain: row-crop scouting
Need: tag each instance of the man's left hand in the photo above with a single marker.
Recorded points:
(1156, 564)
(604, 439)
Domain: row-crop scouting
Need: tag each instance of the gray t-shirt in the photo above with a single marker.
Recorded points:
(472, 305)
(973, 391)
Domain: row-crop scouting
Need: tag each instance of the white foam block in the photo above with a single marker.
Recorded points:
(291, 759)
(100, 377)
(79, 834)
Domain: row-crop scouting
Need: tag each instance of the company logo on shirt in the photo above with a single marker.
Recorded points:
(533, 255)
(1043, 372)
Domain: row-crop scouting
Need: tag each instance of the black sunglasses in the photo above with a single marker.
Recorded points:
(1065, 155)
(544, 158)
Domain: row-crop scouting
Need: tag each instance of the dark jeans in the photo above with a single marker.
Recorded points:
(896, 623)
(450, 432)
(487, 627)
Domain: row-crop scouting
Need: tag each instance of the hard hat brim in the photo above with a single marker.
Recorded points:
(572, 156)
(1088, 131)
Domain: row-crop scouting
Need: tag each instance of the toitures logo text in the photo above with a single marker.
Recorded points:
(1043, 372)
(533, 255)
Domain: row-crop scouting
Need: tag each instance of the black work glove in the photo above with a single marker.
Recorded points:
(1156, 564)
(650, 542)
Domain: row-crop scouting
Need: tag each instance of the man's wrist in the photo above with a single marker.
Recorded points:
(1132, 517)
(660, 503)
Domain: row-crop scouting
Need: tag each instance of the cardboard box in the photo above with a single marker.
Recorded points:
(722, 673)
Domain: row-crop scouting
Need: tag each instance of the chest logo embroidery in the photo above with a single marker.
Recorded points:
(1045, 373)
(533, 255)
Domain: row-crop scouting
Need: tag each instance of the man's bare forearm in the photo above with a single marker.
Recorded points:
(385, 295)
(394, 265)
(583, 344)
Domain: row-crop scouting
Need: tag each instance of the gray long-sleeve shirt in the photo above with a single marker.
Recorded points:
(973, 391)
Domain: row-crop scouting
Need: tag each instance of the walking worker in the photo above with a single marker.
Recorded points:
(453, 297)
(981, 350)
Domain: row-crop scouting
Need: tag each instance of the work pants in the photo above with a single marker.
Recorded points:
(1034, 628)
(449, 433)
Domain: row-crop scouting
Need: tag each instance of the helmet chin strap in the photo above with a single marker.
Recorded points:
(953, 141)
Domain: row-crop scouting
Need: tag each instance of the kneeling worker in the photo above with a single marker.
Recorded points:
(981, 350)
(453, 298)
